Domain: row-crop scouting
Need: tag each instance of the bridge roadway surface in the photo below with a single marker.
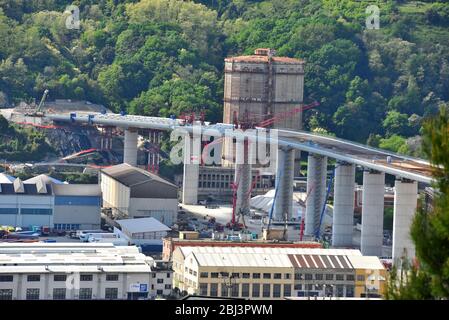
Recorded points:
(339, 149)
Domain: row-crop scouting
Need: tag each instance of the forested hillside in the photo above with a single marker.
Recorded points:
(162, 57)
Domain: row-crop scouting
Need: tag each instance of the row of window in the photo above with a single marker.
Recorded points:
(327, 276)
(245, 275)
(59, 293)
(36, 211)
(59, 277)
(67, 226)
(257, 290)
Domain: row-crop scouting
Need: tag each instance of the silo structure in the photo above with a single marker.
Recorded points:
(264, 86)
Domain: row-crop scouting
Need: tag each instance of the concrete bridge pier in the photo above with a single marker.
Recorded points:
(372, 213)
(130, 147)
(316, 192)
(283, 208)
(343, 215)
(242, 177)
(191, 171)
(405, 204)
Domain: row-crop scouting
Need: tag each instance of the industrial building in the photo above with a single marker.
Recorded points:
(42, 202)
(275, 273)
(147, 233)
(191, 239)
(60, 271)
(132, 192)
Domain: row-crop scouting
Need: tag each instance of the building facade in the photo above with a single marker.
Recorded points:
(131, 192)
(276, 273)
(60, 206)
(60, 271)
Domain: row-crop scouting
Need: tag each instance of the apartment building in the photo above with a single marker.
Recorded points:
(276, 273)
(80, 271)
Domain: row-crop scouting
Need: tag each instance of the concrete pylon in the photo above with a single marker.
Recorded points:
(130, 147)
(405, 203)
(316, 192)
(191, 171)
(343, 216)
(283, 208)
(372, 213)
(242, 177)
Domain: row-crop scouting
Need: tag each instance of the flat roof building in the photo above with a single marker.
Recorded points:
(132, 192)
(84, 271)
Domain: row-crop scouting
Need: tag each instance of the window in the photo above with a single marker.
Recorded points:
(340, 289)
(298, 287)
(36, 211)
(349, 277)
(246, 275)
(59, 294)
(256, 275)
(235, 275)
(204, 275)
(329, 277)
(298, 276)
(245, 290)
(195, 273)
(287, 290)
(112, 277)
(6, 278)
(309, 287)
(159, 292)
(33, 278)
(267, 275)
(168, 274)
(287, 276)
(168, 286)
(350, 291)
(85, 293)
(266, 290)
(214, 289)
(5, 294)
(60, 277)
(86, 277)
(9, 211)
(214, 275)
(277, 276)
(308, 276)
(224, 274)
(360, 277)
(319, 276)
(224, 290)
(340, 277)
(111, 293)
(276, 290)
(256, 290)
(203, 289)
(160, 280)
(153, 275)
(32, 294)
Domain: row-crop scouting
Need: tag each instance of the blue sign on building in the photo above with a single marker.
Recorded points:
(143, 287)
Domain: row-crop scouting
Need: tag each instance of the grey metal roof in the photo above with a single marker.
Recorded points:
(143, 184)
(93, 190)
(142, 225)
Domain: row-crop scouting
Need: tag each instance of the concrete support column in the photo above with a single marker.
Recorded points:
(191, 171)
(130, 147)
(242, 177)
(372, 213)
(284, 177)
(316, 191)
(343, 216)
(405, 203)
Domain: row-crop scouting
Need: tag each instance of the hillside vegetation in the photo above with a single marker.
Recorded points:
(163, 57)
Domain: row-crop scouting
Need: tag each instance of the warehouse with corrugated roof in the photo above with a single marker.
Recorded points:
(131, 192)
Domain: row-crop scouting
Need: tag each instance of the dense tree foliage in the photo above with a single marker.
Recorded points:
(163, 57)
(430, 228)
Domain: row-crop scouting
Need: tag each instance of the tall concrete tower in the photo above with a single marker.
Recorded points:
(264, 85)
